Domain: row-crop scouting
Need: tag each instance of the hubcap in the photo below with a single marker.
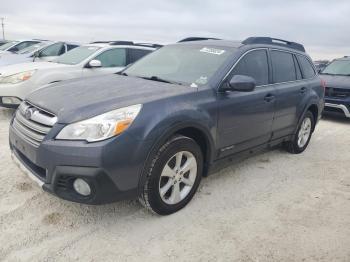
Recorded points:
(178, 177)
(304, 132)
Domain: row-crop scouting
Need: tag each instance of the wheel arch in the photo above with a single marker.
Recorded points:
(191, 130)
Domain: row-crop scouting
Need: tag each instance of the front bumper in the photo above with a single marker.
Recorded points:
(338, 106)
(112, 167)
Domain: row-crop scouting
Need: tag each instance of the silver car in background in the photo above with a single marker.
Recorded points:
(44, 51)
(15, 46)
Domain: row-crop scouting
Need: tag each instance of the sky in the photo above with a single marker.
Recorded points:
(322, 26)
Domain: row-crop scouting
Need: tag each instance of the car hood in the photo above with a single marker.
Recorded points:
(79, 99)
(10, 59)
(18, 68)
(336, 81)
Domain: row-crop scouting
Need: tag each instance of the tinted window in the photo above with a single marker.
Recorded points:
(255, 65)
(307, 68)
(113, 57)
(298, 70)
(283, 67)
(136, 54)
(70, 47)
(52, 50)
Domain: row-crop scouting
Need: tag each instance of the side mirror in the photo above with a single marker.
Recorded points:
(95, 63)
(240, 83)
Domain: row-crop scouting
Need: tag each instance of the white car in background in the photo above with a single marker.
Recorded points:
(15, 46)
(44, 51)
(17, 81)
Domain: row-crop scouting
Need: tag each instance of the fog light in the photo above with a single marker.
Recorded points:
(82, 187)
(11, 100)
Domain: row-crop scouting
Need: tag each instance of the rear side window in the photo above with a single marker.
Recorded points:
(306, 67)
(52, 50)
(297, 68)
(113, 57)
(283, 67)
(255, 65)
(136, 54)
(70, 47)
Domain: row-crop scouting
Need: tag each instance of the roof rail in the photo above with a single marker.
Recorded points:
(40, 39)
(189, 39)
(149, 45)
(274, 41)
(122, 43)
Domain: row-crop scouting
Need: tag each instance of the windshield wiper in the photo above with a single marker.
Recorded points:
(159, 79)
(122, 74)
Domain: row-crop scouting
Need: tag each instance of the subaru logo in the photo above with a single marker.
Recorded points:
(28, 113)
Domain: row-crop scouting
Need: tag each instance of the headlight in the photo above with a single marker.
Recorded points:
(17, 78)
(101, 127)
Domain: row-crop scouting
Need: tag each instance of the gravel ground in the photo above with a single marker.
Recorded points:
(271, 207)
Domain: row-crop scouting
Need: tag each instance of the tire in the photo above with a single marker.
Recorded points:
(306, 127)
(169, 187)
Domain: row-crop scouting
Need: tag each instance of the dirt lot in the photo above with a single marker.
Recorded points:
(272, 207)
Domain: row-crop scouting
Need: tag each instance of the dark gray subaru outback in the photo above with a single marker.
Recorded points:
(152, 131)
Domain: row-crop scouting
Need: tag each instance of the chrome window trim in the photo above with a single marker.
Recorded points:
(269, 49)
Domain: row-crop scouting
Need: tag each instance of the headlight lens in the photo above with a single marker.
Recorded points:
(17, 78)
(101, 127)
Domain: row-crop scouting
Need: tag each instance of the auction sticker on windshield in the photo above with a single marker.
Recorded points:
(213, 51)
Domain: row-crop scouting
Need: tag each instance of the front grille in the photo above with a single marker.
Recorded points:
(337, 92)
(32, 124)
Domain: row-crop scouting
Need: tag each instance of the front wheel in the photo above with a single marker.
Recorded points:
(303, 136)
(173, 177)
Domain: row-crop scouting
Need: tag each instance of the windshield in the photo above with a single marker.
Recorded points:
(7, 45)
(338, 67)
(77, 55)
(193, 65)
(31, 48)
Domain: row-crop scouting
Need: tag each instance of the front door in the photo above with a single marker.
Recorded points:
(245, 118)
(112, 61)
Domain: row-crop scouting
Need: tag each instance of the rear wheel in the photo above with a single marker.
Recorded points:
(173, 177)
(303, 136)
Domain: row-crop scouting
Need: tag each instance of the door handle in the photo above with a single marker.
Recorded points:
(303, 90)
(269, 97)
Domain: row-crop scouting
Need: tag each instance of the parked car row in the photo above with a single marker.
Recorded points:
(155, 128)
(99, 58)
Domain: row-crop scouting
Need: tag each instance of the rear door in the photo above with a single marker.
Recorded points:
(245, 118)
(290, 89)
(112, 61)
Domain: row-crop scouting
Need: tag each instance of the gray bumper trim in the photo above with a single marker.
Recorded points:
(26, 170)
(339, 106)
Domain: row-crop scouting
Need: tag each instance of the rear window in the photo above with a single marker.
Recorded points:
(306, 67)
(283, 67)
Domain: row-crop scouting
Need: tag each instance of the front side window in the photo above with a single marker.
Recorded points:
(53, 50)
(7, 45)
(185, 64)
(31, 49)
(338, 67)
(113, 57)
(283, 67)
(77, 55)
(255, 65)
(22, 45)
(307, 68)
